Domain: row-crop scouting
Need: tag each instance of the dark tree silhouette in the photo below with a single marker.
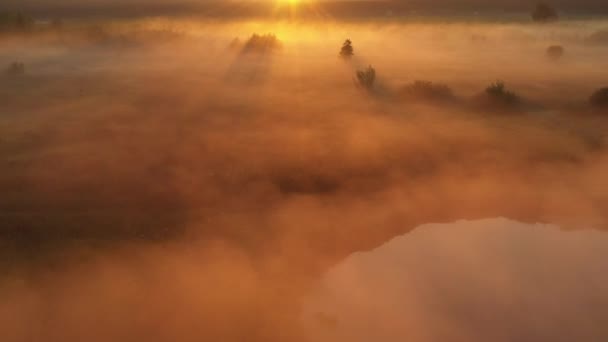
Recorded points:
(347, 50)
(367, 77)
(600, 98)
(427, 91)
(544, 13)
(262, 44)
(498, 92)
(496, 98)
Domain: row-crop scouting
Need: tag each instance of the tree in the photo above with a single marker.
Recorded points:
(261, 44)
(498, 92)
(367, 77)
(544, 13)
(347, 50)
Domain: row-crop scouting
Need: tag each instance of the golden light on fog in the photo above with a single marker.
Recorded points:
(192, 175)
(298, 8)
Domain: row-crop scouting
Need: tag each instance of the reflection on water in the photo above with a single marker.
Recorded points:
(490, 280)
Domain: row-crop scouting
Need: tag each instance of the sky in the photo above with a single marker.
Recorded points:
(501, 3)
(354, 9)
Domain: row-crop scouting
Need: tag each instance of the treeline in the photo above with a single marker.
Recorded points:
(496, 96)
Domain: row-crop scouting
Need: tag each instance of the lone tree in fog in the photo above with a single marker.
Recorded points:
(264, 43)
(497, 94)
(367, 77)
(347, 50)
(544, 13)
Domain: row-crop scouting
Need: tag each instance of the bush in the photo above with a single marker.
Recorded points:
(261, 44)
(497, 97)
(555, 52)
(498, 91)
(600, 98)
(544, 13)
(347, 50)
(367, 77)
(427, 91)
(15, 69)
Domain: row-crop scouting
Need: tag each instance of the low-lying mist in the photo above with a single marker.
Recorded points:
(487, 280)
(177, 180)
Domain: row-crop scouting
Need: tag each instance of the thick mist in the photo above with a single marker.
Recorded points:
(171, 180)
(483, 280)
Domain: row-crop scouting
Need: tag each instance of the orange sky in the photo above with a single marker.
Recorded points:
(498, 3)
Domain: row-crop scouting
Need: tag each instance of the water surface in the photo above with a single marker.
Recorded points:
(489, 280)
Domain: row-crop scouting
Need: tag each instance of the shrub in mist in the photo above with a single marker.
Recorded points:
(498, 91)
(555, 52)
(264, 43)
(497, 97)
(427, 91)
(15, 69)
(347, 50)
(544, 13)
(366, 78)
(599, 98)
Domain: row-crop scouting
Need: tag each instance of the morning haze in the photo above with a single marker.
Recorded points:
(251, 8)
(244, 171)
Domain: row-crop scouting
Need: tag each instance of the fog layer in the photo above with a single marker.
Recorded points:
(489, 280)
(162, 180)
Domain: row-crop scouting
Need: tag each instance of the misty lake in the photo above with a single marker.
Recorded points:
(488, 280)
